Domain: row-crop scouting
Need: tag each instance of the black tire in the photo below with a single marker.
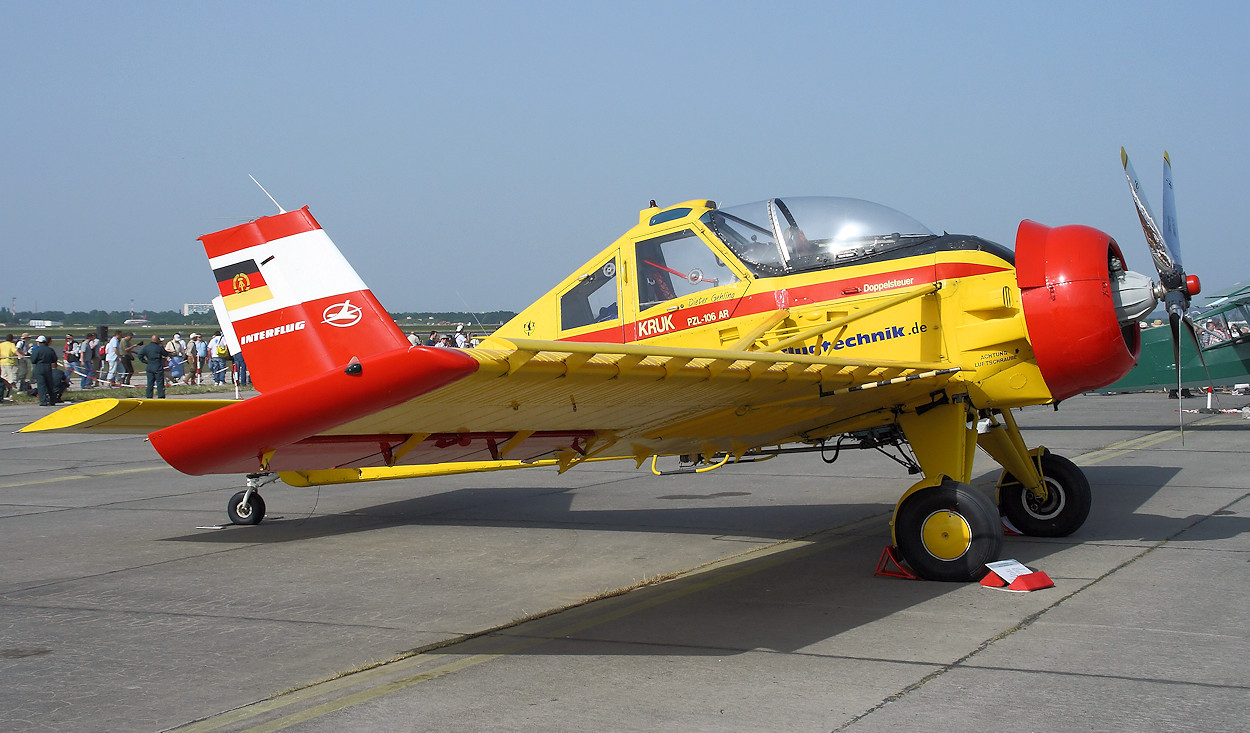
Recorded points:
(1061, 512)
(949, 532)
(250, 513)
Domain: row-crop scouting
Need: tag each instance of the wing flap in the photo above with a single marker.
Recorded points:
(649, 398)
(326, 452)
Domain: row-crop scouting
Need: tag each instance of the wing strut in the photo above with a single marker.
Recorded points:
(799, 338)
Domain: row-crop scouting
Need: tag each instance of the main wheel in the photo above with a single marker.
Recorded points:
(1057, 509)
(949, 532)
(250, 513)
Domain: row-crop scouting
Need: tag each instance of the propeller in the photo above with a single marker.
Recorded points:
(1175, 288)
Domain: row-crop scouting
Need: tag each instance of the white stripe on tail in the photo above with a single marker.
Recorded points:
(290, 302)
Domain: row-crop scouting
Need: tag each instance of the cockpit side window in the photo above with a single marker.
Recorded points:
(1239, 323)
(675, 265)
(592, 299)
(1216, 329)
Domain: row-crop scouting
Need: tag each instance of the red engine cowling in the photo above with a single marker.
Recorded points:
(1064, 274)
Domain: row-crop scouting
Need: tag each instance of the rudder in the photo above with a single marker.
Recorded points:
(290, 302)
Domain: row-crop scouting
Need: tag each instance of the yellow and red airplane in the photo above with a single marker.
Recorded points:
(714, 334)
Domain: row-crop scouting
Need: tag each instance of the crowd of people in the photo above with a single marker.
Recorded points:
(1217, 332)
(24, 363)
(110, 362)
(99, 363)
(460, 339)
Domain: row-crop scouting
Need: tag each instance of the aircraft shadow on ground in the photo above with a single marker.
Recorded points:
(548, 508)
(801, 599)
(1119, 494)
(806, 599)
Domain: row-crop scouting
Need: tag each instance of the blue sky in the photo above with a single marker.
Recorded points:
(469, 155)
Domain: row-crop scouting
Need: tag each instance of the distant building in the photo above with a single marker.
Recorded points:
(45, 324)
(196, 309)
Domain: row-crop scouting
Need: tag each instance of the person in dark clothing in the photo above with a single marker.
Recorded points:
(42, 360)
(153, 355)
(60, 383)
(241, 370)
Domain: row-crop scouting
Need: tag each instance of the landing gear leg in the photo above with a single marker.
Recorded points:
(247, 507)
(1042, 494)
(944, 528)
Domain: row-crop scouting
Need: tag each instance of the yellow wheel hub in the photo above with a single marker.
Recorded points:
(946, 535)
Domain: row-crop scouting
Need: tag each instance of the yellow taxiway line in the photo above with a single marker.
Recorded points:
(1124, 447)
(81, 476)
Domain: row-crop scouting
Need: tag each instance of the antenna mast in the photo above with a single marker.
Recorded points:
(470, 311)
(271, 198)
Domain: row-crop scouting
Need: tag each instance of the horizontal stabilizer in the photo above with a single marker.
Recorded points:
(241, 438)
(126, 417)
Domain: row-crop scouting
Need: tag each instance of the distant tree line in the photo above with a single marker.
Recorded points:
(486, 318)
(175, 318)
(107, 318)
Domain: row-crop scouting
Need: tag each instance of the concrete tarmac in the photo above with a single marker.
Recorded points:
(461, 602)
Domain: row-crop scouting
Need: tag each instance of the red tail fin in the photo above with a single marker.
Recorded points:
(290, 301)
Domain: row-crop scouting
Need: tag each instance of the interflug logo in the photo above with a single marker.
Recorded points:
(342, 315)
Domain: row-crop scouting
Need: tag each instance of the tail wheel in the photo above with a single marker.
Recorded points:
(948, 532)
(249, 512)
(1055, 509)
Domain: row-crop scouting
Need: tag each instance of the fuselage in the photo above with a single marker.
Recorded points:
(760, 276)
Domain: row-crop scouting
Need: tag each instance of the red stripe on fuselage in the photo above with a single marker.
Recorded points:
(952, 270)
(264, 229)
(606, 336)
(778, 298)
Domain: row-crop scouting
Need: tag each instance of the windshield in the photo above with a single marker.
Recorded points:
(780, 236)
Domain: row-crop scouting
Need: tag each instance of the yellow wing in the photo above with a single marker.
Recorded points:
(540, 401)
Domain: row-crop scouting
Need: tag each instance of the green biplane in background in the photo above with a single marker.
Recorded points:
(1222, 331)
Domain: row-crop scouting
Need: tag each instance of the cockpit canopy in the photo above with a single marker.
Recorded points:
(778, 237)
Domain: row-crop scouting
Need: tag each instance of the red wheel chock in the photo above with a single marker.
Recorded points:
(1024, 582)
(890, 555)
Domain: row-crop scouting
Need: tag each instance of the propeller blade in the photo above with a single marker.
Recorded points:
(1154, 236)
(1193, 336)
(1174, 320)
(1171, 234)
(1174, 289)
